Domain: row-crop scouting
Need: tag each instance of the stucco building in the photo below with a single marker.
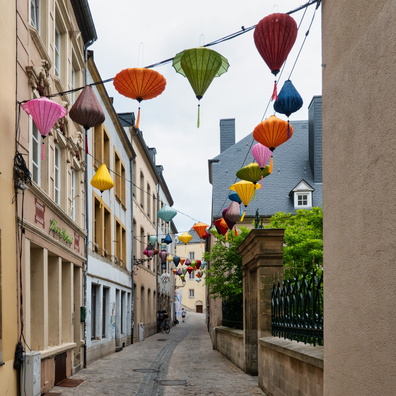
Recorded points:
(108, 283)
(51, 40)
(9, 322)
(359, 155)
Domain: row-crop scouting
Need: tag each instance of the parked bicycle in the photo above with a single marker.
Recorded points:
(162, 321)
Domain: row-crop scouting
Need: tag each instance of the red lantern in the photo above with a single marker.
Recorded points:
(274, 37)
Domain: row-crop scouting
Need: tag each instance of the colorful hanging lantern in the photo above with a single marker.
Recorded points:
(261, 154)
(149, 251)
(197, 264)
(187, 262)
(87, 111)
(289, 100)
(253, 172)
(221, 226)
(230, 223)
(169, 258)
(153, 239)
(233, 212)
(233, 196)
(203, 264)
(185, 237)
(274, 37)
(167, 239)
(198, 280)
(184, 270)
(102, 180)
(189, 269)
(166, 213)
(213, 230)
(183, 277)
(139, 84)
(44, 113)
(163, 254)
(205, 235)
(176, 260)
(174, 270)
(200, 228)
(273, 132)
(200, 66)
(245, 191)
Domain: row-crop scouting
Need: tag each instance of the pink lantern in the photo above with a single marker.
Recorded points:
(87, 111)
(149, 251)
(233, 213)
(44, 113)
(163, 255)
(261, 154)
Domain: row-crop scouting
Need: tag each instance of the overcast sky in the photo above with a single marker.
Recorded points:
(138, 34)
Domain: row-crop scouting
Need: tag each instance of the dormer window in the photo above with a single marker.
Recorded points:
(302, 195)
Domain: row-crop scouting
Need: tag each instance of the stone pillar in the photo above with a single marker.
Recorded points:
(262, 265)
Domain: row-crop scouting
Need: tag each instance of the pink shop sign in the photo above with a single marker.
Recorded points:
(40, 210)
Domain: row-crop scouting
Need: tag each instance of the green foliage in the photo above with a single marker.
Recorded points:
(303, 238)
(224, 277)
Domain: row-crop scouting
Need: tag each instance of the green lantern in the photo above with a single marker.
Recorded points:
(200, 66)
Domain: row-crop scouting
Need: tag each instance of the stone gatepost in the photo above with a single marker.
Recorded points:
(262, 265)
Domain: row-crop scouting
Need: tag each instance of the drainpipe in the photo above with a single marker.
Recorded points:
(133, 251)
(87, 217)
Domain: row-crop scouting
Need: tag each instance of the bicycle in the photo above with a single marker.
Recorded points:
(166, 327)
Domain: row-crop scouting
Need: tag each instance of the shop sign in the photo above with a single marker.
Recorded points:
(40, 210)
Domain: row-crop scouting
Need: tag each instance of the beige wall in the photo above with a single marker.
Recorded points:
(8, 269)
(359, 158)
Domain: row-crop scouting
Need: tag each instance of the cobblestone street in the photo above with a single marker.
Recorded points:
(180, 363)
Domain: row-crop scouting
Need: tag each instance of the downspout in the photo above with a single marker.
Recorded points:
(86, 195)
(132, 250)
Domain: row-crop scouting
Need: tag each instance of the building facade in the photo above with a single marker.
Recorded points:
(108, 283)
(51, 40)
(359, 155)
(9, 320)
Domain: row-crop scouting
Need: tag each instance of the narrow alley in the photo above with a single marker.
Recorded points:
(179, 363)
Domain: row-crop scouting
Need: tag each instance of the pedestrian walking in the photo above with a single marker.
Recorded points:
(183, 313)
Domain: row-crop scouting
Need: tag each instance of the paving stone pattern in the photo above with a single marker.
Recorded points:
(179, 363)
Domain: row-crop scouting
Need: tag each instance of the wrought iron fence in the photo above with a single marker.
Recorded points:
(297, 308)
(233, 313)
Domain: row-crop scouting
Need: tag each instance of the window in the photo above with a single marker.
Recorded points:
(148, 200)
(101, 147)
(102, 230)
(36, 155)
(57, 49)
(190, 293)
(141, 189)
(94, 303)
(191, 255)
(119, 179)
(120, 244)
(302, 195)
(73, 84)
(35, 13)
(191, 275)
(105, 297)
(57, 175)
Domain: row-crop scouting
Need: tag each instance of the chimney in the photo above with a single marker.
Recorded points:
(227, 133)
(315, 137)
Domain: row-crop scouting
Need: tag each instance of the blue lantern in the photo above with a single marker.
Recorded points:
(289, 100)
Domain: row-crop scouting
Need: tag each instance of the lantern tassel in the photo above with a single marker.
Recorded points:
(101, 201)
(86, 142)
(199, 116)
(275, 92)
(271, 164)
(137, 123)
(243, 215)
(42, 151)
(261, 180)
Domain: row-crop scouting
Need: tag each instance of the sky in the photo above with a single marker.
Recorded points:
(139, 34)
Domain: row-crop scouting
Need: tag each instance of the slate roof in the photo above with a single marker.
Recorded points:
(291, 165)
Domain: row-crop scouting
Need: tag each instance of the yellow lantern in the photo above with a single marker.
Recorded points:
(102, 180)
(245, 191)
(185, 237)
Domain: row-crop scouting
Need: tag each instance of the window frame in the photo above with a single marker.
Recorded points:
(35, 163)
(191, 293)
(57, 175)
(35, 14)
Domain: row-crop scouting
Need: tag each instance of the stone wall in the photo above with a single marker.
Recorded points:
(287, 368)
(229, 342)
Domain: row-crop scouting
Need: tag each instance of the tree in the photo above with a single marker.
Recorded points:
(224, 277)
(303, 238)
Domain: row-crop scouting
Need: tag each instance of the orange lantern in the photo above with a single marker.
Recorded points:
(200, 229)
(272, 132)
(139, 84)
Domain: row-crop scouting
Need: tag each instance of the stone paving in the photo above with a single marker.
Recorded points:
(179, 363)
